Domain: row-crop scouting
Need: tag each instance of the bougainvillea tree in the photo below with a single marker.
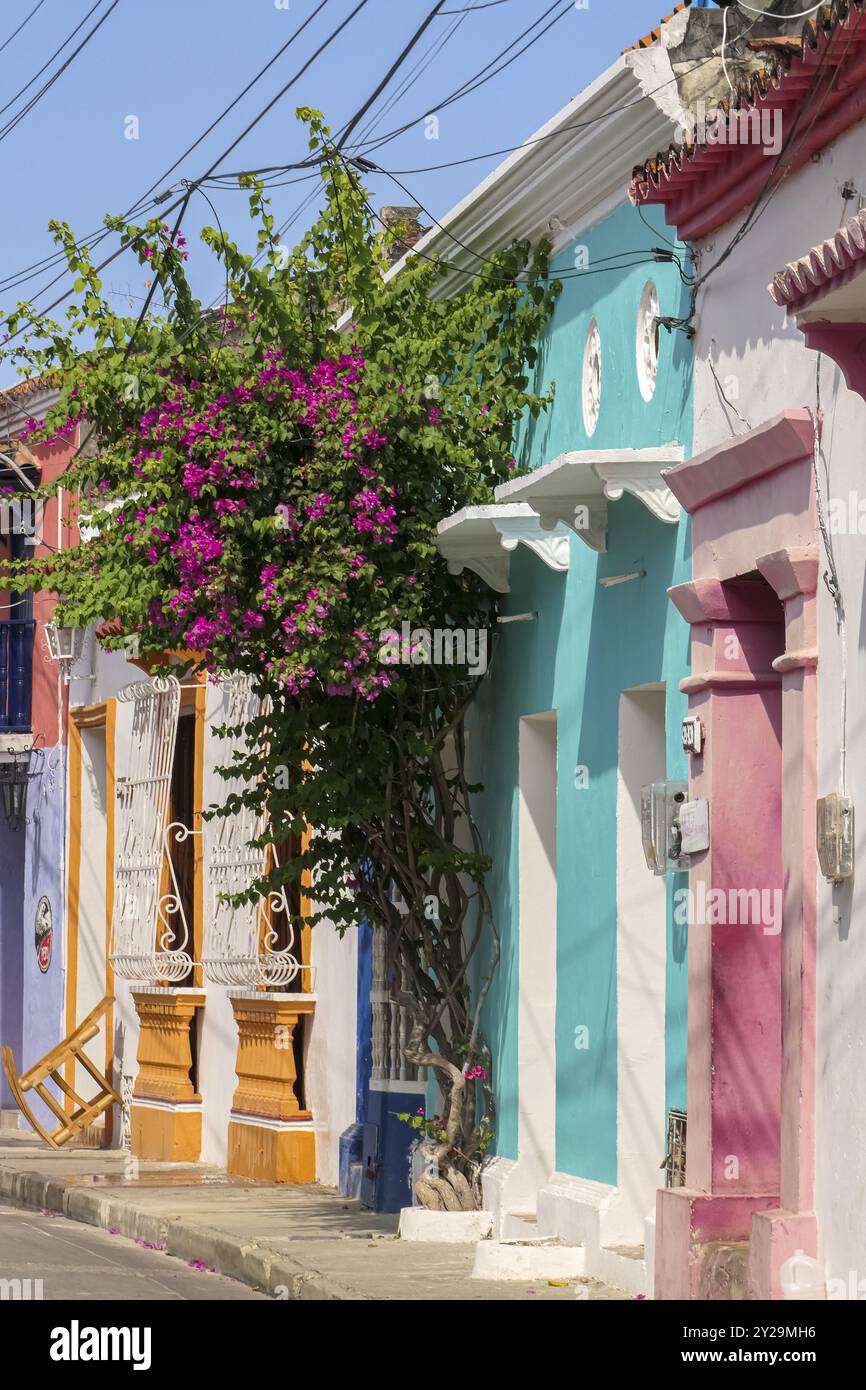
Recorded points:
(265, 483)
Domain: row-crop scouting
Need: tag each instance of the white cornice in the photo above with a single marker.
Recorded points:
(574, 490)
(483, 539)
(567, 170)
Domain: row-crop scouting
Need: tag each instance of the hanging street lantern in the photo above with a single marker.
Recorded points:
(14, 776)
(65, 645)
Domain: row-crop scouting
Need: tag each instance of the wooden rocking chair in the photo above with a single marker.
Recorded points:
(71, 1049)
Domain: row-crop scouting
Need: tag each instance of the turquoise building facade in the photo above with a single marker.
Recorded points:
(587, 645)
(581, 707)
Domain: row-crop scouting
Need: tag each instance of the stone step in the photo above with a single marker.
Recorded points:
(623, 1266)
(527, 1259)
(519, 1225)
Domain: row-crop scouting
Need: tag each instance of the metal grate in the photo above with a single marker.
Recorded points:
(675, 1157)
(16, 674)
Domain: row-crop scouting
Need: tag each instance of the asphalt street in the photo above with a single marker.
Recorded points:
(66, 1261)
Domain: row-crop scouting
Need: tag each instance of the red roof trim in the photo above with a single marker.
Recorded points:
(826, 267)
(704, 185)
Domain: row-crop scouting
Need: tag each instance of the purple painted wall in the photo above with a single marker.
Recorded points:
(11, 946)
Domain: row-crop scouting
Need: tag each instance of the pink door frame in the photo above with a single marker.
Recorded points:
(751, 1066)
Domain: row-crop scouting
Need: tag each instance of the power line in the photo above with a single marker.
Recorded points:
(488, 5)
(756, 211)
(505, 150)
(395, 66)
(442, 264)
(182, 201)
(260, 74)
(25, 20)
(420, 67)
(483, 75)
(16, 120)
(96, 237)
(305, 202)
(538, 139)
(55, 54)
(659, 252)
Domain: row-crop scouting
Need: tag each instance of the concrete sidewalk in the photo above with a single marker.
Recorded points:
(291, 1242)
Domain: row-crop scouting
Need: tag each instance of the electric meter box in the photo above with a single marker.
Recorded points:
(660, 804)
(836, 837)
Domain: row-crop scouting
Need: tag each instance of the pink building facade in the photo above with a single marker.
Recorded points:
(774, 1205)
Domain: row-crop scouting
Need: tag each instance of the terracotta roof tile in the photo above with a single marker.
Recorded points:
(826, 267)
(655, 34)
(32, 384)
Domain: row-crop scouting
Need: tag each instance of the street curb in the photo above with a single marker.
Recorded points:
(255, 1265)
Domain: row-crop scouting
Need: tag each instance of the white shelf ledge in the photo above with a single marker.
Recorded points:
(573, 491)
(482, 539)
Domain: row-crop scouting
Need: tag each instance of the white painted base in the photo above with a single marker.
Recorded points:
(579, 1213)
(590, 1214)
(503, 1259)
(621, 1270)
(445, 1227)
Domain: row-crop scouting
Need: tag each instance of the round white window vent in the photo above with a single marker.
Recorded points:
(591, 378)
(648, 341)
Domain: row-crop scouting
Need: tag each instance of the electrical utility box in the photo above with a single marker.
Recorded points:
(660, 827)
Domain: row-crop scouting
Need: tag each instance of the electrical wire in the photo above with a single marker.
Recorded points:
(488, 5)
(347, 130)
(442, 264)
(541, 139)
(720, 388)
(19, 116)
(757, 210)
(482, 76)
(831, 578)
(182, 201)
(25, 20)
(782, 18)
(283, 228)
(724, 46)
(490, 261)
(142, 204)
(417, 70)
(49, 61)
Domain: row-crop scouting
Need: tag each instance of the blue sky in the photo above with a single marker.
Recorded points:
(175, 64)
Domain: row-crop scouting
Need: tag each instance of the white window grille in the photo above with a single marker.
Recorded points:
(150, 937)
(241, 943)
(648, 341)
(391, 1021)
(591, 384)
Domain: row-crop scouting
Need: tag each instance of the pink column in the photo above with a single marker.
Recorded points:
(748, 1205)
(778, 1234)
(734, 1063)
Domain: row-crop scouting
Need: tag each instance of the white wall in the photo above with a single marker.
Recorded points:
(765, 362)
(536, 1013)
(641, 936)
(91, 962)
(331, 1045)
